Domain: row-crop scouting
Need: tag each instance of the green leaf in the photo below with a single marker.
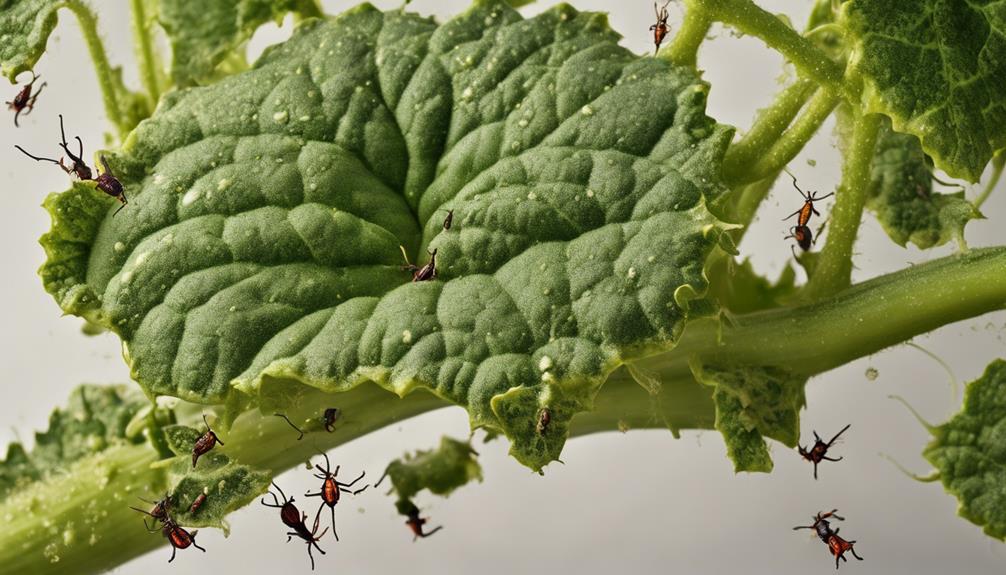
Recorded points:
(936, 67)
(95, 419)
(753, 403)
(228, 486)
(901, 195)
(441, 470)
(203, 34)
(737, 287)
(266, 213)
(25, 26)
(969, 451)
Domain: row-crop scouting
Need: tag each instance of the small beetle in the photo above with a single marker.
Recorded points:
(25, 100)
(111, 185)
(415, 523)
(836, 544)
(205, 443)
(818, 452)
(332, 489)
(294, 519)
(660, 28)
(331, 414)
(544, 418)
(807, 209)
(299, 430)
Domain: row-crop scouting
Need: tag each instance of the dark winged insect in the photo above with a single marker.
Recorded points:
(544, 418)
(449, 219)
(79, 168)
(205, 443)
(25, 100)
(159, 511)
(197, 503)
(111, 185)
(803, 236)
(416, 523)
(818, 452)
(836, 544)
(660, 28)
(294, 519)
(299, 430)
(427, 272)
(179, 538)
(331, 489)
(807, 209)
(331, 414)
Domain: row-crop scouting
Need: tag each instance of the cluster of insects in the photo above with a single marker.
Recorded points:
(176, 535)
(429, 271)
(801, 231)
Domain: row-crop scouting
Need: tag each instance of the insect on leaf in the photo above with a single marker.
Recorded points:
(936, 68)
(261, 243)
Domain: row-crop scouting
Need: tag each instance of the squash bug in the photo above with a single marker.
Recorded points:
(331, 414)
(197, 503)
(427, 272)
(205, 443)
(449, 219)
(836, 544)
(807, 209)
(25, 100)
(111, 185)
(299, 430)
(331, 489)
(544, 418)
(294, 519)
(660, 28)
(415, 523)
(819, 451)
(79, 167)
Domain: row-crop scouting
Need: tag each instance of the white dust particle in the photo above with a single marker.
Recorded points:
(119, 247)
(545, 363)
(190, 196)
(587, 111)
(406, 336)
(281, 117)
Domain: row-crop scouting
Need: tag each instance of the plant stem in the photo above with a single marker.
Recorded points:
(750, 197)
(749, 18)
(834, 268)
(103, 70)
(789, 145)
(998, 162)
(82, 517)
(149, 69)
(684, 50)
(768, 126)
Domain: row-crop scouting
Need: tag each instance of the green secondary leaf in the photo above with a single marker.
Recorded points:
(25, 26)
(737, 287)
(936, 67)
(227, 485)
(203, 34)
(969, 451)
(441, 470)
(753, 403)
(95, 419)
(261, 242)
(901, 195)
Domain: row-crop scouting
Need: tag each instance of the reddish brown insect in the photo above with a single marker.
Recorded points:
(803, 236)
(111, 185)
(197, 503)
(294, 519)
(660, 28)
(836, 544)
(427, 272)
(818, 452)
(179, 538)
(299, 430)
(807, 209)
(25, 100)
(544, 418)
(331, 489)
(331, 414)
(449, 219)
(159, 512)
(416, 523)
(208, 441)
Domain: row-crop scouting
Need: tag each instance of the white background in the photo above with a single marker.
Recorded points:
(636, 503)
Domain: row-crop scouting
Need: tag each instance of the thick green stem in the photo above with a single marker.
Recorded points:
(747, 17)
(103, 70)
(998, 162)
(79, 522)
(768, 126)
(792, 141)
(149, 68)
(684, 50)
(834, 268)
